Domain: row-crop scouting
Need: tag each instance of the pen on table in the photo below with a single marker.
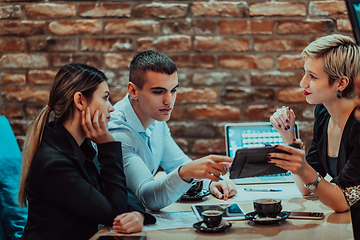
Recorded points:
(261, 190)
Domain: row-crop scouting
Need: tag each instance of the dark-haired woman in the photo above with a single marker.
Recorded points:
(67, 193)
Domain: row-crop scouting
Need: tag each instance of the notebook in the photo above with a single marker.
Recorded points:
(255, 134)
(353, 7)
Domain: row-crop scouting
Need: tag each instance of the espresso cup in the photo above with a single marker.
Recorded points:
(267, 207)
(195, 188)
(212, 218)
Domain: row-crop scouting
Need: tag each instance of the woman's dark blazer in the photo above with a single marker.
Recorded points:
(348, 166)
(68, 196)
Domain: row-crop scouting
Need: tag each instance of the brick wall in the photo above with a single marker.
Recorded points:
(238, 60)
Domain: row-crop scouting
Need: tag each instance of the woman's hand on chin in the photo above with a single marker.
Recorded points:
(96, 129)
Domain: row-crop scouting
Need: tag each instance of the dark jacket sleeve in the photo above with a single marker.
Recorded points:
(66, 187)
(313, 156)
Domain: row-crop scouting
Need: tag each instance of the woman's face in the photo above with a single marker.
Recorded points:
(316, 82)
(100, 101)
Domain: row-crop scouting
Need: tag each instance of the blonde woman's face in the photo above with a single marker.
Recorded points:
(316, 83)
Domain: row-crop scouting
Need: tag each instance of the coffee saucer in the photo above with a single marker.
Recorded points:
(203, 228)
(252, 216)
(196, 197)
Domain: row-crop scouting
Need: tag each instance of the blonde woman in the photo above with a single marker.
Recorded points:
(67, 193)
(331, 65)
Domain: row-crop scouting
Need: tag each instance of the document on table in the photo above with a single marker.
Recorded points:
(171, 220)
(287, 191)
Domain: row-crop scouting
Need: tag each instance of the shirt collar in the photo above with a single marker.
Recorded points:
(132, 118)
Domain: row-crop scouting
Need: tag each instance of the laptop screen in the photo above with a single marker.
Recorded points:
(247, 135)
(353, 7)
(255, 134)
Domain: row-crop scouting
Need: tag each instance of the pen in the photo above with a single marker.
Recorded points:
(261, 190)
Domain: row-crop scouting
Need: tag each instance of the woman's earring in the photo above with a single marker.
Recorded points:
(338, 95)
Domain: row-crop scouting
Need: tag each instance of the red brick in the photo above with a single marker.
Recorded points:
(23, 60)
(178, 113)
(239, 95)
(275, 78)
(192, 130)
(182, 143)
(308, 112)
(160, 10)
(12, 45)
(19, 127)
(31, 109)
(104, 10)
(25, 94)
(13, 110)
(22, 28)
(117, 78)
(277, 9)
(52, 44)
(172, 43)
(71, 27)
(191, 95)
(221, 44)
(194, 61)
(246, 26)
(10, 12)
(290, 62)
(13, 78)
(49, 10)
(325, 8)
(218, 112)
(216, 78)
(259, 112)
(118, 60)
(224, 9)
(246, 61)
(41, 76)
(101, 44)
(190, 27)
(92, 59)
(343, 24)
(279, 44)
(125, 26)
(305, 26)
(208, 146)
(117, 94)
(291, 95)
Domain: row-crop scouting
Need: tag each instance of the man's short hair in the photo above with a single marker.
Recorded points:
(149, 61)
(341, 58)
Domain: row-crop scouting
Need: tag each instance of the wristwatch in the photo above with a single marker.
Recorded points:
(312, 186)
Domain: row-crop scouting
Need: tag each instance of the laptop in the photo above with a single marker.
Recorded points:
(353, 7)
(255, 134)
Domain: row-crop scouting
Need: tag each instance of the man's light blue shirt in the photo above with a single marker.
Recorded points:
(144, 150)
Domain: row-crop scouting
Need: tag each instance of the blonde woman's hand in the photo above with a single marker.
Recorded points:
(283, 121)
(130, 222)
(96, 128)
(223, 189)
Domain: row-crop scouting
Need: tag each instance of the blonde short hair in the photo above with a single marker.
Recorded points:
(341, 58)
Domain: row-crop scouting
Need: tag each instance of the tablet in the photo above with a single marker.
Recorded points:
(232, 211)
(353, 7)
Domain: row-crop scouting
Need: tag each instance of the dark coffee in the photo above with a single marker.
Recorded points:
(267, 207)
(195, 188)
(212, 218)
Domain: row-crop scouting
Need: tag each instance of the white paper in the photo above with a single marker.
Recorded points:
(288, 191)
(171, 220)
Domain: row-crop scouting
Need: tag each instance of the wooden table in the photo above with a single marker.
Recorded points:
(334, 226)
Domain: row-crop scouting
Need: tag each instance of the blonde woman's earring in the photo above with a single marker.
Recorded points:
(338, 95)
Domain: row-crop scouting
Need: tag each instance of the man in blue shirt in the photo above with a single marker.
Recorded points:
(139, 123)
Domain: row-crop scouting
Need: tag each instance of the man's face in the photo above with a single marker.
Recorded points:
(157, 97)
(357, 92)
